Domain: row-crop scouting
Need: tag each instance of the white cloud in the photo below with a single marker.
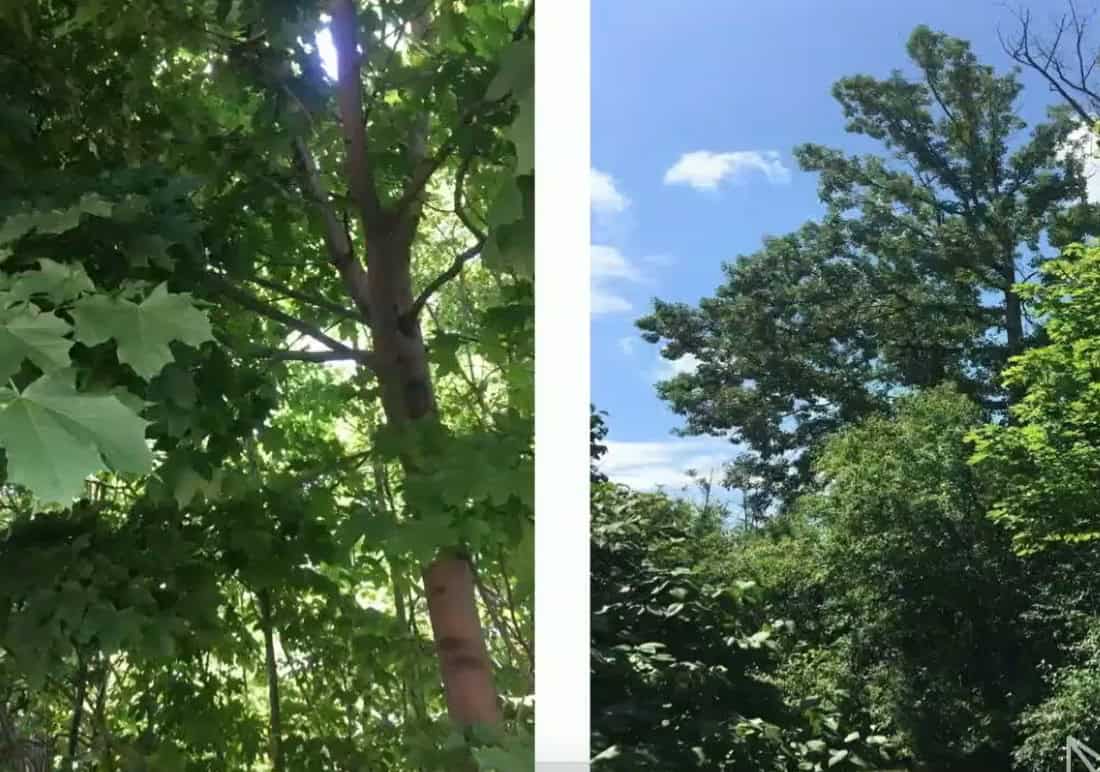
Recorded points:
(606, 197)
(609, 263)
(605, 302)
(627, 345)
(704, 170)
(670, 368)
(647, 465)
(610, 266)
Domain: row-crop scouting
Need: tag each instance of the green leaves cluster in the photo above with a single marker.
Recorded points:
(511, 216)
(1048, 456)
(54, 436)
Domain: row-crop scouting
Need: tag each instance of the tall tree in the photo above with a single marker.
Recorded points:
(907, 281)
(194, 217)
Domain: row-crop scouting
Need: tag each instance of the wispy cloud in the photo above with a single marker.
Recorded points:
(606, 196)
(649, 465)
(705, 170)
(606, 302)
(610, 267)
(627, 345)
(609, 263)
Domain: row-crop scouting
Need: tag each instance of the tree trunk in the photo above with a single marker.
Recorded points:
(78, 711)
(1014, 322)
(407, 396)
(382, 290)
(275, 731)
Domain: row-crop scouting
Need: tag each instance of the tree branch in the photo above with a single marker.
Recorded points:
(426, 167)
(284, 355)
(453, 270)
(246, 300)
(345, 29)
(336, 235)
(327, 305)
(1020, 51)
(460, 208)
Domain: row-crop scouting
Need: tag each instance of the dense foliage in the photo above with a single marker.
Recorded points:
(914, 377)
(266, 385)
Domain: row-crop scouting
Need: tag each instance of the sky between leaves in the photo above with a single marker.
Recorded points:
(696, 107)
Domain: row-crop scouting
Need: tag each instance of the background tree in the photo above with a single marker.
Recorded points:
(685, 656)
(908, 281)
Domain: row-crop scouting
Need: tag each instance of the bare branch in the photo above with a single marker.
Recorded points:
(336, 238)
(1021, 52)
(425, 169)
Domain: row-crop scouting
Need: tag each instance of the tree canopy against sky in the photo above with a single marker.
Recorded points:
(908, 280)
(195, 220)
(669, 238)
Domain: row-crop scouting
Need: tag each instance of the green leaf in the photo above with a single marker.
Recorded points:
(16, 226)
(27, 333)
(95, 204)
(59, 282)
(501, 760)
(443, 352)
(522, 135)
(57, 220)
(511, 248)
(517, 71)
(507, 207)
(55, 437)
(523, 562)
(142, 332)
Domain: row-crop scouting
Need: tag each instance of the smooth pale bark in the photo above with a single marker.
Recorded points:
(460, 643)
(383, 292)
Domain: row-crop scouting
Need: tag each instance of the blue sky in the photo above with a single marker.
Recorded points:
(696, 105)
